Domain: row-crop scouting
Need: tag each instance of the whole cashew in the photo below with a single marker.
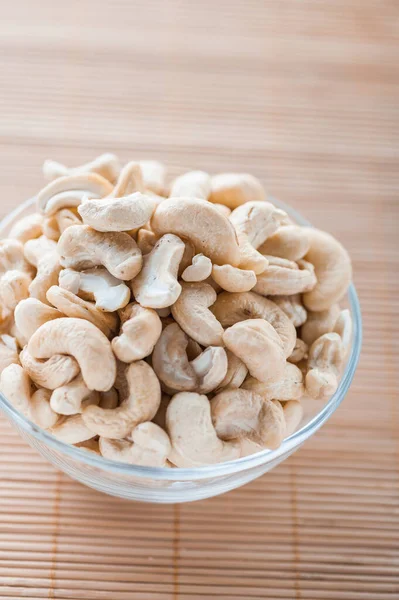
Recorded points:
(238, 414)
(235, 375)
(325, 361)
(192, 434)
(154, 176)
(194, 184)
(259, 346)
(30, 314)
(140, 404)
(285, 277)
(201, 325)
(97, 284)
(51, 374)
(71, 430)
(73, 306)
(234, 189)
(107, 165)
(130, 180)
(293, 308)
(9, 354)
(319, 323)
(201, 223)
(233, 279)
(73, 397)
(117, 214)
(233, 308)
(290, 242)
(333, 270)
(69, 191)
(300, 352)
(199, 270)
(141, 329)
(288, 387)
(150, 447)
(80, 247)
(82, 340)
(156, 286)
(27, 228)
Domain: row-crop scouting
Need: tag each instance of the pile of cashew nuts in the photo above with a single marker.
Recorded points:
(167, 325)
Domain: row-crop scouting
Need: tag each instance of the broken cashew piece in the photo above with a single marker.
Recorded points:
(69, 191)
(117, 214)
(84, 342)
(325, 361)
(140, 331)
(81, 247)
(107, 165)
(156, 286)
(199, 270)
(290, 242)
(285, 277)
(234, 189)
(233, 279)
(51, 374)
(194, 184)
(98, 285)
(192, 434)
(289, 387)
(150, 447)
(73, 397)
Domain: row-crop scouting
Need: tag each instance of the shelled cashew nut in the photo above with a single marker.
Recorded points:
(66, 217)
(48, 270)
(154, 176)
(98, 285)
(53, 373)
(292, 306)
(293, 415)
(81, 247)
(81, 340)
(234, 189)
(140, 404)
(201, 223)
(192, 434)
(140, 331)
(30, 314)
(233, 279)
(150, 447)
(16, 386)
(71, 430)
(9, 354)
(235, 374)
(41, 412)
(233, 308)
(199, 270)
(157, 286)
(193, 184)
(117, 214)
(290, 242)
(289, 387)
(300, 352)
(332, 267)
(73, 397)
(14, 287)
(38, 248)
(318, 323)
(51, 228)
(107, 165)
(12, 257)
(130, 180)
(27, 228)
(325, 360)
(201, 325)
(285, 277)
(69, 191)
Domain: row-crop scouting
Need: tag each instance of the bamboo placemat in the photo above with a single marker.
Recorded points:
(305, 95)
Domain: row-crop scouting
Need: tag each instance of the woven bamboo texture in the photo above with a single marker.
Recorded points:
(306, 96)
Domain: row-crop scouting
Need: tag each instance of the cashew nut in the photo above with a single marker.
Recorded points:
(233, 279)
(73, 306)
(285, 277)
(290, 242)
(130, 180)
(319, 323)
(288, 387)
(325, 361)
(233, 308)
(51, 374)
(17, 388)
(156, 286)
(191, 312)
(71, 430)
(259, 346)
(30, 314)
(154, 176)
(107, 165)
(27, 228)
(300, 352)
(141, 329)
(117, 214)
(238, 414)
(97, 284)
(48, 270)
(82, 340)
(194, 184)
(234, 189)
(51, 227)
(199, 270)
(292, 306)
(14, 287)
(81, 247)
(293, 415)
(150, 447)
(192, 434)
(69, 191)
(66, 217)
(235, 375)
(9, 354)
(73, 397)
(140, 404)
(332, 267)
(36, 249)
(201, 223)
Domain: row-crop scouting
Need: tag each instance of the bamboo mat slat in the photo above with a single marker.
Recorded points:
(306, 96)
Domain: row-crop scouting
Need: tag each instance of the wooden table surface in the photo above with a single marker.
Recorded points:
(306, 96)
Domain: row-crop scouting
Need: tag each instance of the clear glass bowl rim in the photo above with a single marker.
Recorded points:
(209, 471)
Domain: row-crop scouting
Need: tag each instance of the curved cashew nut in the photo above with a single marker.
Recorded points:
(235, 375)
(150, 447)
(82, 340)
(325, 360)
(80, 247)
(194, 184)
(51, 374)
(73, 397)
(14, 287)
(233, 279)
(285, 277)
(156, 286)
(201, 223)
(71, 430)
(238, 414)
(233, 308)
(97, 284)
(191, 312)
(30, 314)
(319, 323)
(27, 228)
(73, 306)
(199, 270)
(332, 267)
(290, 242)
(300, 352)
(259, 346)
(69, 191)
(130, 180)
(192, 434)
(288, 387)
(107, 165)
(343, 326)
(66, 217)
(141, 404)
(154, 176)
(140, 331)
(292, 306)
(234, 189)
(293, 415)
(117, 214)
(9, 354)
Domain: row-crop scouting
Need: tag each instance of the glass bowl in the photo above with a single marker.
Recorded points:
(149, 484)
